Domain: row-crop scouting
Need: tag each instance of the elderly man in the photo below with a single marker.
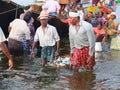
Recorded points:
(4, 48)
(82, 43)
(48, 38)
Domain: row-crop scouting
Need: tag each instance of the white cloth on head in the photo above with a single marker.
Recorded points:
(113, 13)
(74, 14)
(81, 14)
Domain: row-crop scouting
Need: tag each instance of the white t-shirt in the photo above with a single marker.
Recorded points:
(47, 38)
(2, 36)
(51, 6)
(19, 30)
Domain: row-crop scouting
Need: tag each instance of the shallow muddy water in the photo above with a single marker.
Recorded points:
(28, 74)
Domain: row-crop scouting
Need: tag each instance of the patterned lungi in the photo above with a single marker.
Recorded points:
(48, 53)
(80, 57)
(15, 47)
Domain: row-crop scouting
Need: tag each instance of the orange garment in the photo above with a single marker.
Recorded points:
(102, 31)
(100, 34)
(64, 1)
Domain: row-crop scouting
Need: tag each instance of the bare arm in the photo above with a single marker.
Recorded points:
(57, 45)
(57, 48)
(6, 52)
(29, 42)
(32, 52)
(9, 28)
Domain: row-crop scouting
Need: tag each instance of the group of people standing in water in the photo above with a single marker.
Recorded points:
(84, 31)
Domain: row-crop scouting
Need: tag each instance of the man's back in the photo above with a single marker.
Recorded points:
(18, 29)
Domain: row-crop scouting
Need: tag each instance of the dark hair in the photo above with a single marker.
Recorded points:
(27, 17)
(27, 7)
(99, 23)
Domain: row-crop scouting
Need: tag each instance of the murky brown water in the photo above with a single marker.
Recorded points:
(28, 74)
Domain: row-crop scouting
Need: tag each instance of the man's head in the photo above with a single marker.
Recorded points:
(113, 15)
(74, 17)
(43, 17)
(27, 17)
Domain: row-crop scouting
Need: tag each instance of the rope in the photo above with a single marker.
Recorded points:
(10, 10)
(16, 11)
(7, 11)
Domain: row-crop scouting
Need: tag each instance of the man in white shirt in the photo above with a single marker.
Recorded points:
(52, 7)
(4, 48)
(48, 38)
(82, 42)
(18, 29)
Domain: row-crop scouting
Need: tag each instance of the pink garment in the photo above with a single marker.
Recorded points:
(100, 34)
(102, 31)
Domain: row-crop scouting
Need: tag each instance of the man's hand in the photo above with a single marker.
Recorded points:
(71, 55)
(56, 53)
(10, 63)
(32, 54)
(90, 60)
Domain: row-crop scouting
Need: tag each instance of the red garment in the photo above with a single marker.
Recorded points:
(80, 57)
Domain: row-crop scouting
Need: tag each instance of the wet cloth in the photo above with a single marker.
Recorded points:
(80, 57)
(15, 47)
(48, 53)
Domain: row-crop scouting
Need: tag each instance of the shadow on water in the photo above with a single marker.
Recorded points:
(82, 81)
